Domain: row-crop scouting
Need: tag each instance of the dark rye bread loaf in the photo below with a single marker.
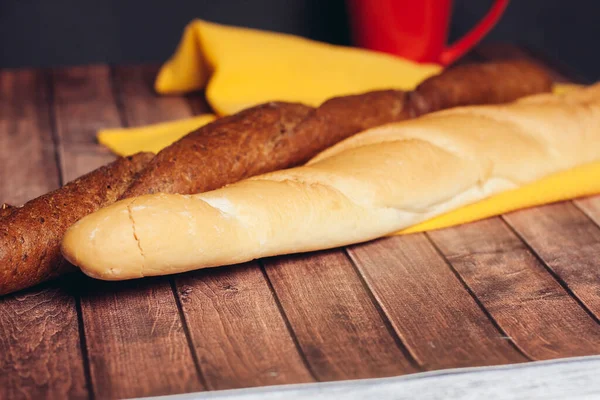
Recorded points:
(280, 135)
(30, 235)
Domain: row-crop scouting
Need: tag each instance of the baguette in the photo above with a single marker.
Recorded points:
(30, 236)
(378, 182)
(281, 135)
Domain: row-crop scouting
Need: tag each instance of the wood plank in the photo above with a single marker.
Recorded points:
(260, 337)
(134, 336)
(240, 337)
(528, 304)
(141, 104)
(27, 150)
(337, 324)
(84, 103)
(569, 243)
(40, 355)
(590, 206)
(441, 324)
(136, 341)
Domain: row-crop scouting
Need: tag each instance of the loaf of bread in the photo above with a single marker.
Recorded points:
(30, 235)
(375, 183)
(280, 135)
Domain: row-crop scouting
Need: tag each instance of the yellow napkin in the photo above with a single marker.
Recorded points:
(241, 67)
(153, 138)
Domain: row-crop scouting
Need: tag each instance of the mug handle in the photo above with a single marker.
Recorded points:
(466, 43)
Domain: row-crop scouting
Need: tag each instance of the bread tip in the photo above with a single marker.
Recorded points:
(103, 245)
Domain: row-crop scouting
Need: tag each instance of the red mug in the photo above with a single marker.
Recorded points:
(415, 29)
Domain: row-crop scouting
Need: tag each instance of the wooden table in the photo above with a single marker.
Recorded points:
(511, 289)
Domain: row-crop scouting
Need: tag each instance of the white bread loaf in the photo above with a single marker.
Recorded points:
(375, 183)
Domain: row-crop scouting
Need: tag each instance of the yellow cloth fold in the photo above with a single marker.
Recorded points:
(241, 67)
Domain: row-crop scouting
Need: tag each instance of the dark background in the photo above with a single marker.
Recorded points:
(68, 32)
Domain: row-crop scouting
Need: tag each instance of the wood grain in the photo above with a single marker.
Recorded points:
(136, 343)
(83, 103)
(26, 145)
(40, 355)
(528, 304)
(338, 327)
(238, 333)
(571, 251)
(141, 105)
(134, 336)
(590, 206)
(441, 324)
